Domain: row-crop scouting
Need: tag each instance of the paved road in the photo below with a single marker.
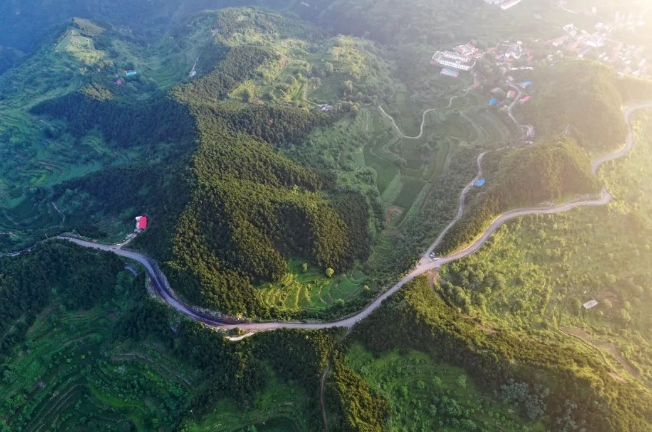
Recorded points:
(426, 264)
(460, 209)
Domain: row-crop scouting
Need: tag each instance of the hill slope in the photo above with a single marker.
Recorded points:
(549, 171)
(232, 210)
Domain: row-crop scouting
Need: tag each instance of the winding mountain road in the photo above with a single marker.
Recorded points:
(426, 264)
(423, 123)
(425, 113)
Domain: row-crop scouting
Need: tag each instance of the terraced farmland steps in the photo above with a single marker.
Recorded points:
(426, 264)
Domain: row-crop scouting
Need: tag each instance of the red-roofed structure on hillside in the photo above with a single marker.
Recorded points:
(141, 223)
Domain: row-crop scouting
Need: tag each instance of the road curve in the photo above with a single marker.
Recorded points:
(423, 123)
(426, 264)
(460, 209)
(423, 117)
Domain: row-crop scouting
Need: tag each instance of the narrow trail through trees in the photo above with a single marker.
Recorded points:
(322, 400)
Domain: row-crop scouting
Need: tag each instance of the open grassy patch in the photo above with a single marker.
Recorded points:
(409, 192)
(426, 394)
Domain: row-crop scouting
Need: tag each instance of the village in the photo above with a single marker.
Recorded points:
(599, 43)
(492, 67)
(503, 4)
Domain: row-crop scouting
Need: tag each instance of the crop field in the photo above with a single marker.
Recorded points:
(281, 408)
(310, 290)
(408, 120)
(386, 171)
(71, 366)
(409, 192)
(425, 394)
(537, 272)
(456, 126)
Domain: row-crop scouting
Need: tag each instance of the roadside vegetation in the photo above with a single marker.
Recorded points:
(294, 177)
(555, 382)
(84, 347)
(379, 197)
(427, 394)
(538, 272)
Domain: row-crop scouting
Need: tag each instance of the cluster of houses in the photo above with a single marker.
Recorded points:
(502, 96)
(462, 58)
(503, 4)
(601, 45)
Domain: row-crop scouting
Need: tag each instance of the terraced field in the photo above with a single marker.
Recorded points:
(310, 289)
(282, 408)
(71, 366)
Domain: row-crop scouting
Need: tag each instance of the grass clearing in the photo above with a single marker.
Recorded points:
(409, 191)
(425, 394)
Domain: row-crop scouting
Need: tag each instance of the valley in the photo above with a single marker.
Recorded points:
(343, 231)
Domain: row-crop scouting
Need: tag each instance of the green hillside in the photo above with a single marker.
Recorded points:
(552, 171)
(294, 160)
(232, 202)
(582, 99)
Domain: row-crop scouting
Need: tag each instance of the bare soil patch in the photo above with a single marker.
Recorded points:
(393, 213)
(603, 346)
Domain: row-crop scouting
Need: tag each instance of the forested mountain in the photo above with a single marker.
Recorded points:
(236, 209)
(583, 99)
(26, 22)
(9, 57)
(417, 21)
(288, 172)
(548, 172)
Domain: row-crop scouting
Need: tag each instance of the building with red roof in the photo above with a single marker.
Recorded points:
(141, 223)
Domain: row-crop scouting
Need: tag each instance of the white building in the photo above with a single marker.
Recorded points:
(590, 304)
(595, 41)
(571, 30)
(452, 60)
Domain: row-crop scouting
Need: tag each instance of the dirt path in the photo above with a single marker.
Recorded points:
(322, 401)
(602, 345)
(423, 122)
(63, 216)
(423, 117)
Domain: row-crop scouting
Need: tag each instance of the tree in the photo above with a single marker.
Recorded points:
(304, 267)
(330, 272)
(624, 316)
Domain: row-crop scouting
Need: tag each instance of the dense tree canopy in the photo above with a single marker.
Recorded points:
(581, 390)
(228, 209)
(547, 172)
